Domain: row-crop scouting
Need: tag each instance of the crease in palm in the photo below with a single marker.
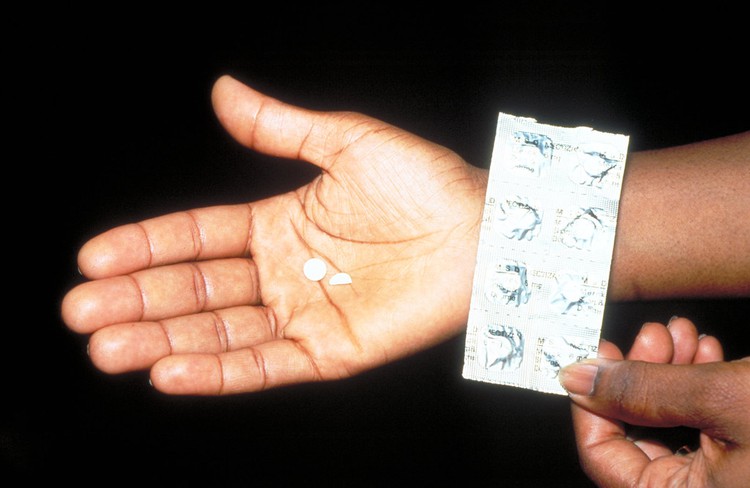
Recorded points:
(399, 214)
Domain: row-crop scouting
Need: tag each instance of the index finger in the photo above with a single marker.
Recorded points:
(207, 233)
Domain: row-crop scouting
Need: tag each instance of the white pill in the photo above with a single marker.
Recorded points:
(315, 269)
(340, 279)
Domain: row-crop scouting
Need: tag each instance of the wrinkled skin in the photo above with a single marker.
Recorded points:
(214, 300)
(672, 377)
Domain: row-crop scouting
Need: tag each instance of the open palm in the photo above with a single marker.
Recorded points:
(215, 301)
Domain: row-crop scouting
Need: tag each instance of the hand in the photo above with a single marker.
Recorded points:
(214, 300)
(691, 387)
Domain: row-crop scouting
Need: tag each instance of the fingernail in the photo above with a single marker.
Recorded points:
(578, 378)
(672, 319)
(702, 336)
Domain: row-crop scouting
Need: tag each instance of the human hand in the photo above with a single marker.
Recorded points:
(214, 300)
(691, 386)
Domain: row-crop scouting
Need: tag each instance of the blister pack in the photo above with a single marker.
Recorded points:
(545, 252)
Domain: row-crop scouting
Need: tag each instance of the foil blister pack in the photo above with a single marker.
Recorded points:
(545, 251)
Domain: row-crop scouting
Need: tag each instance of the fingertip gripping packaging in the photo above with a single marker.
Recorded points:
(545, 252)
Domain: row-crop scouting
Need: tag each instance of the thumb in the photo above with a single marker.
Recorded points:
(268, 125)
(712, 397)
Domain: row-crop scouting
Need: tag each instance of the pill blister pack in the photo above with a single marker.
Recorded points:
(545, 252)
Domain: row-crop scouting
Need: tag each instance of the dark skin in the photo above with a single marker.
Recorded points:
(213, 300)
(672, 377)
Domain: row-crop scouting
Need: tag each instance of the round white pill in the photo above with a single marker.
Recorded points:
(315, 269)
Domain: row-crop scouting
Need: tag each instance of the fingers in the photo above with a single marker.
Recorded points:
(261, 123)
(275, 128)
(607, 454)
(653, 344)
(165, 292)
(589, 427)
(688, 346)
(677, 343)
(712, 397)
(266, 124)
(214, 232)
(133, 346)
(265, 366)
(709, 350)
(685, 340)
(602, 443)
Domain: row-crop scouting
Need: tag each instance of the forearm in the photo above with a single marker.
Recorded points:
(684, 223)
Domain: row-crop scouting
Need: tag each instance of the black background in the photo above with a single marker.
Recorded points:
(116, 126)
